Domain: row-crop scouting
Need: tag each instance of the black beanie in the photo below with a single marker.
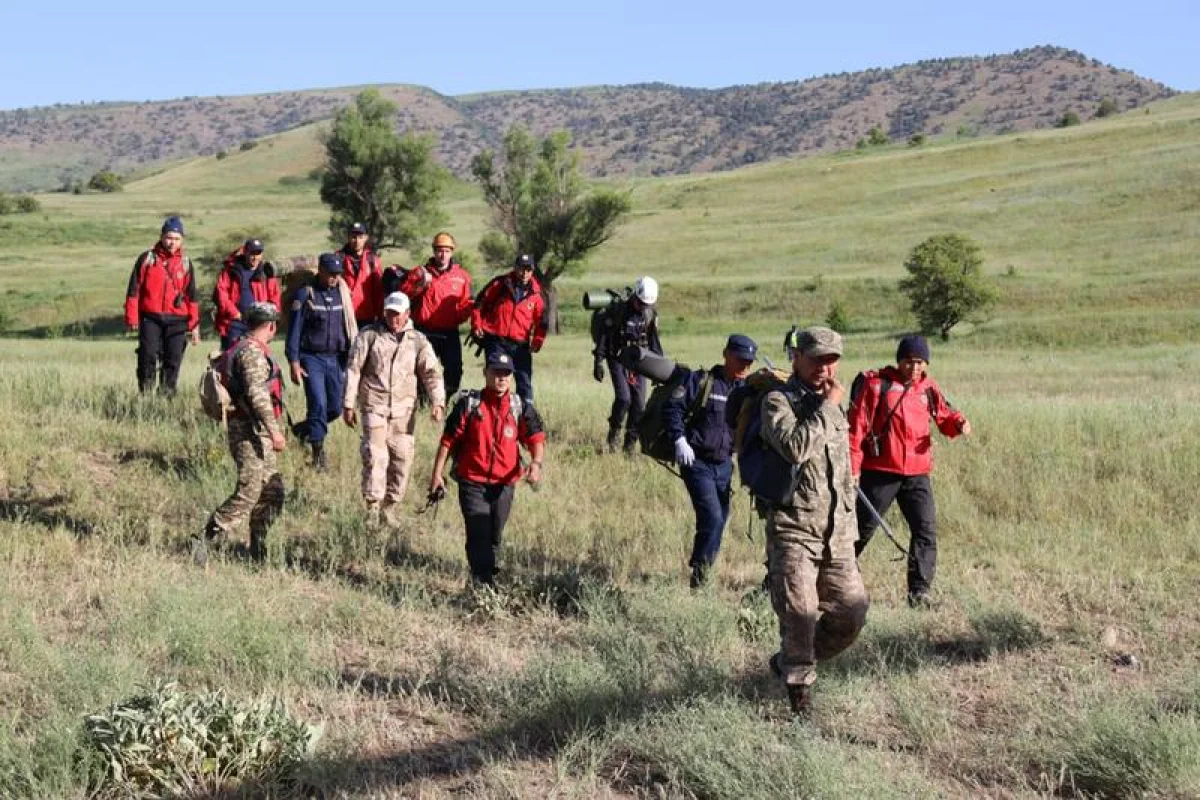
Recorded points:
(913, 346)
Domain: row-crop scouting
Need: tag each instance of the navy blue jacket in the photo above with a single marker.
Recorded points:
(317, 325)
(710, 435)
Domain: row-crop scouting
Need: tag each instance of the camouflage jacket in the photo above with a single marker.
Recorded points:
(814, 435)
(256, 386)
(384, 368)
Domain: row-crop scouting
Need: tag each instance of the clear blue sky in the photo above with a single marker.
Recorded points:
(66, 52)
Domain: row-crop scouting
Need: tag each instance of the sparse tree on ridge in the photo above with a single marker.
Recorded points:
(543, 206)
(946, 284)
(390, 183)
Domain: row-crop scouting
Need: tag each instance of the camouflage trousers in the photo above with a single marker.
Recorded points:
(259, 491)
(816, 590)
(387, 456)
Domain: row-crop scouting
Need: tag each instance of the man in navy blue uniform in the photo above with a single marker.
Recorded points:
(694, 419)
(319, 336)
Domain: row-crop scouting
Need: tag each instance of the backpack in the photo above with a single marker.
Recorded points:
(874, 439)
(652, 433)
(605, 319)
(215, 398)
(766, 474)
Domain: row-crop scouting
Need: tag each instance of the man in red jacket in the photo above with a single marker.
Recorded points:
(484, 433)
(440, 291)
(362, 275)
(891, 453)
(510, 316)
(160, 304)
(244, 281)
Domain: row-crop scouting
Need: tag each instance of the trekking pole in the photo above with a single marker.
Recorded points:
(875, 514)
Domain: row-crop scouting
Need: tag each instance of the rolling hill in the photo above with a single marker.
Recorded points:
(648, 129)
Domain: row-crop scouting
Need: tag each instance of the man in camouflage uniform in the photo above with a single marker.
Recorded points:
(386, 361)
(816, 588)
(255, 385)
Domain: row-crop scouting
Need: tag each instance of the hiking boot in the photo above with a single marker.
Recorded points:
(613, 441)
(630, 445)
(800, 699)
(919, 600)
(699, 576)
(320, 459)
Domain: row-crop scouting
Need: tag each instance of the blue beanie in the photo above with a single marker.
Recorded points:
(173, 225)
(913, 346)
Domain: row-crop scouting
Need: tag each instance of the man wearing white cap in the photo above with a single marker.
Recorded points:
(386, 362)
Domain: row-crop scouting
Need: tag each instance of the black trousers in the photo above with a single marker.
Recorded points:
(628, 398)
(485, 509)
(162, 342)
(914, 493)
(448, 348)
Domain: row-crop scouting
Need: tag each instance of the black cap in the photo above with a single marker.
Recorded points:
(253, 246)
(329, 262)
(525, 261)
(358, 228)
(499, 360)
(742, 347)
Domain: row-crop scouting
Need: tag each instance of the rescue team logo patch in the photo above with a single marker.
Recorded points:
(509, 432)
(679, 392)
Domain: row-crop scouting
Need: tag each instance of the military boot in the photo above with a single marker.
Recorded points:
(699, 576)
(258, 546)
(613, 441)
(630, 445)
(320, 459)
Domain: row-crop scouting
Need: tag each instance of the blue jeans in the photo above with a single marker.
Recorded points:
(323, 392)
(708, 484)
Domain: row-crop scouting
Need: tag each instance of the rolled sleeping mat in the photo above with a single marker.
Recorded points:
(644, 361)
(596, 300)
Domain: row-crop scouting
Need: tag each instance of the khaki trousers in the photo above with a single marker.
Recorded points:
(387, 455)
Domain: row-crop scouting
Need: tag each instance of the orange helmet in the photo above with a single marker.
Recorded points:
(444, 239)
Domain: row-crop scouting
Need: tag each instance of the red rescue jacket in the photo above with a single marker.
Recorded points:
(498, 313)
(441, 300)
(366, 285)
(162, 285)
(485, 439)
(263, 285)
(906, 446)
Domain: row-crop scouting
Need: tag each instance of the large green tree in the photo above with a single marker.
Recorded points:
(542, 205)
(391, 183)
(945, 283)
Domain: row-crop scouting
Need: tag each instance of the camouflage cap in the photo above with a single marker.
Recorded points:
(261, 313)
(818, 342)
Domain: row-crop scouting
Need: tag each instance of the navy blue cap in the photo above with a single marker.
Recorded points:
(742, 347)
(329, 262)
(524, 261)
(253, 246)
(913, 346)
(173, 225)
(499, 360)
(357, 228)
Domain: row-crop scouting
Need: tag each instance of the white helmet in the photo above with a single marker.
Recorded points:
(646, 290)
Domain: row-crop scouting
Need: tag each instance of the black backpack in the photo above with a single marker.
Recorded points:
(766, 474)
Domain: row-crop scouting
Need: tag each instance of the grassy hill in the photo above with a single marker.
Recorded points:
(650, 129)
(1061, 660)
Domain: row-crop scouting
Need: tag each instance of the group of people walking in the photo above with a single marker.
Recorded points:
(372, 346)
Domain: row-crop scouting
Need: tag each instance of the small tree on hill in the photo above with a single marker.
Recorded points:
(876, 137)
(371, 175)
(1067, 120)
(106, 181)
(946, 283)
(1106, 108)
(543, 206)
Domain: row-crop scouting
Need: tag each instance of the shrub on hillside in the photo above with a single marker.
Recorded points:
(18, 204)
(249, 144)
(876, 137)
(171, 743)
(916, 140)
(838, 317)
(1067, 120)
(1106, 108)
(106, 181)
(946, 283)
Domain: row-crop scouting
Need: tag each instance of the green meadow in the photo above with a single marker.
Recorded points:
(1061, 659)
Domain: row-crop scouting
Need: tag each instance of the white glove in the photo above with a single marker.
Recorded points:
(684, 454)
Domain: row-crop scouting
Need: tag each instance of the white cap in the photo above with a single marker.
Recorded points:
(396, 301)
(646, 290)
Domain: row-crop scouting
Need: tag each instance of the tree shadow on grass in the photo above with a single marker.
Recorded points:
(48, 512)
(179, 466)
(106, 327)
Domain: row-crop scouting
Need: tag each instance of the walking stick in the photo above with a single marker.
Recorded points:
(886, 528)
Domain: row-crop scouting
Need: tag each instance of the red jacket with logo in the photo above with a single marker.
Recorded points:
(485, 440)
(162, 285)
(441, 299)
(365, 284)
(263, 286)
(906, 442)
(499, 313)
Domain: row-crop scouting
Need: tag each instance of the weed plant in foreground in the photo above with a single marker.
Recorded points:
(1061, 656)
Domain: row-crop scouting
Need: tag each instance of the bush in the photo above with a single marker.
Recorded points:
(18, 204)
(1106, 108)
(106, 181)
(1067, 120)
(838, 318)
(916, 140)
(249, 144)
(221, 155)
(177, 744)
(946, 283)
(876, 137)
